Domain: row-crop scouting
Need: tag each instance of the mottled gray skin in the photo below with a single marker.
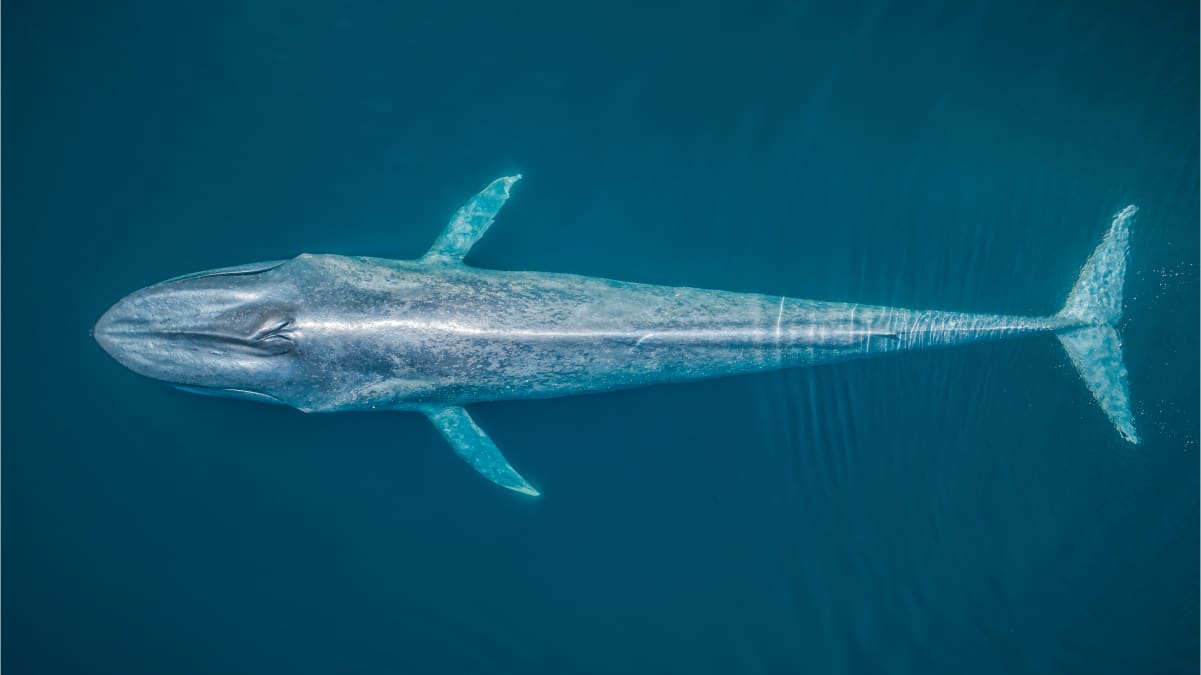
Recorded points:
(368, 333)
(325, 333)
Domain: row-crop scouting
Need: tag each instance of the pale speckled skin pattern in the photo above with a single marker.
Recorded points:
(326, 333)
(370, 333)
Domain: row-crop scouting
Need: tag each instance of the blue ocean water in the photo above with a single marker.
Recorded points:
(959, 511)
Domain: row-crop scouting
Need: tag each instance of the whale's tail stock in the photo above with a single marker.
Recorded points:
(1088, 318)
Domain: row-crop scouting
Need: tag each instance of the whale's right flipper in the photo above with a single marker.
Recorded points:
(473, 445)
(470, 222)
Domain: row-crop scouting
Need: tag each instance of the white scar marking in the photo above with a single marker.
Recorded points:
(779, 319)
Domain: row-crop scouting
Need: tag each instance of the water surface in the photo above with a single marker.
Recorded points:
(962, 511)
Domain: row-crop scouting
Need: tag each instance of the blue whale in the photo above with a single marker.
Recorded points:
(326, 333)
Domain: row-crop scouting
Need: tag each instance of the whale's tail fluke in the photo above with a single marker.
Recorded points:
(1088, 317)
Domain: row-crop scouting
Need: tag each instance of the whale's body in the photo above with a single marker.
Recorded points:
(327, 333)
(400, 335)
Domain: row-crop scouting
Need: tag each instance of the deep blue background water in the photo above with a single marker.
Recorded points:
(960, 511)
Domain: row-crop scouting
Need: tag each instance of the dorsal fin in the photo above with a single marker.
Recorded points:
(470, 222)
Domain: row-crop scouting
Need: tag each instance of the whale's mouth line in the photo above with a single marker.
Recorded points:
(238, 270)
(225, 392)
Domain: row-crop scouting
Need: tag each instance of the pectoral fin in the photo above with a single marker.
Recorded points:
(473, 445)
(470, 222)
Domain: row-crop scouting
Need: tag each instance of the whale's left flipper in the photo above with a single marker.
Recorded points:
(470, 222)
(474, 446)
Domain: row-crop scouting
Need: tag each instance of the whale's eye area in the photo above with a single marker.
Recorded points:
(274, 336)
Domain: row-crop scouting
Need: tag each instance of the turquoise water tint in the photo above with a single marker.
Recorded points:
(965, 510)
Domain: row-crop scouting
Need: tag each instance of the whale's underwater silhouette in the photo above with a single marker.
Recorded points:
(325, 333)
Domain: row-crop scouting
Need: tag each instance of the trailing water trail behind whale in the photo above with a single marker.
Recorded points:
(326, 333)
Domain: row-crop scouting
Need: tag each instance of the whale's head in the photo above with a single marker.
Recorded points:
(226, 332)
